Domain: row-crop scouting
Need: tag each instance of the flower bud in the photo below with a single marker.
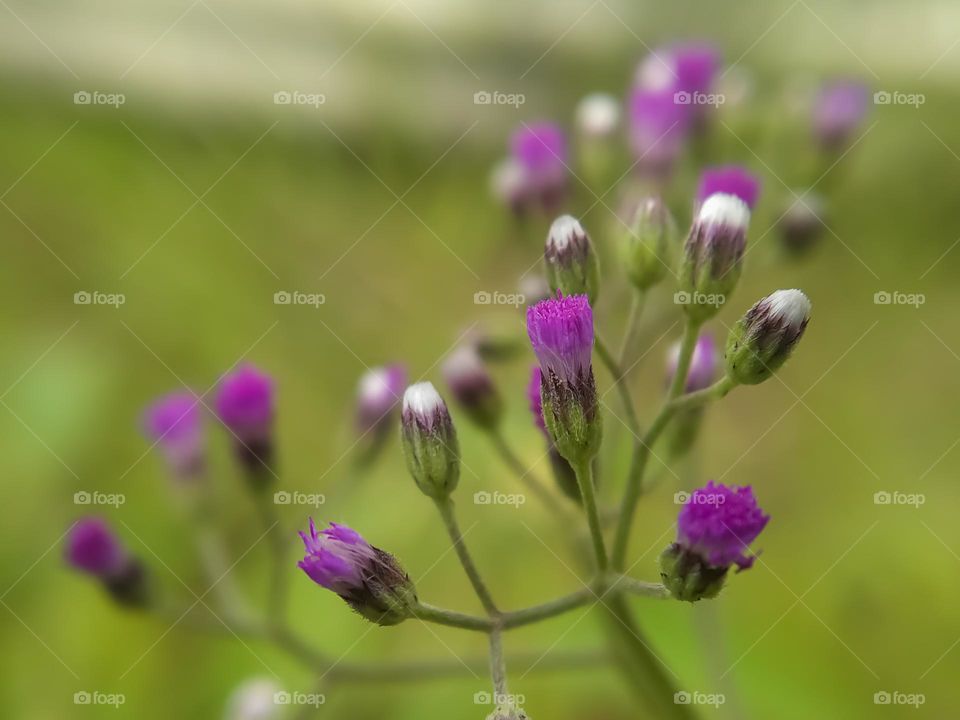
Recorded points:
(255, 699)
(174, 423)
(658, 129)
(649, 245)
(540, 149)
(245, 405)
(378, 394)
(838, 112)
(570, 258)
(801, 224)
(563, 474)
(511, 186)
(764, 337)
(729, 180)
(561, 332)
(430, 441)
(714, 528)
(93, 548)
(713, 255)
(472, 387)
(368, 579)
(598, 116)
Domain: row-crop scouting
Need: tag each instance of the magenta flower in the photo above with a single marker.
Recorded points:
(696, 65)
(175, 424)
(541, 156)
(367, 578)
(730, 180)
(838, 112)
(718, 523)
(703, 364)
(93, 548)
(245, 405)
(379, 392)
(533, 395)
(561, 332)
(657, 128)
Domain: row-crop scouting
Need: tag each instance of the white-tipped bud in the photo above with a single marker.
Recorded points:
(765, 336)
(598, 115)
(510, 184)
(430, 441)
(570, 259)
(472, 386)
(255, 699)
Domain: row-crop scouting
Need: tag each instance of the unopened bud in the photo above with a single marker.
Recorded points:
(764, 337)
(472, 387)
(570, 258)
(430, 441)
(649, 247)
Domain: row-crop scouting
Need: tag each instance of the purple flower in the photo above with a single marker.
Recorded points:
(703, 364)
(718, 523)
(367, 578)
(174, 422)
(838, 112)
(533, 395)
(472, 387)
(245, 403)
(541, 174)
(685, 73)
(658, 127)
(379, 392)
(696, 65)
(93, 548)
(561, 332)
(730, 180)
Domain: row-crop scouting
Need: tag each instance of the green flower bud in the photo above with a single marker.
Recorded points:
(430, 441)
(764, 337)
(688, 577)
(648, 249)
(571, 261)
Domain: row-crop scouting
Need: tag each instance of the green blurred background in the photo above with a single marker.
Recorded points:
(851, 598)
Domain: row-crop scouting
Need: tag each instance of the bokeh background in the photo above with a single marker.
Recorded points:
(199, 198)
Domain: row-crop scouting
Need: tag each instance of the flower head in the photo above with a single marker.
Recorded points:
(696, 65)
(838, 112)
(718, 523)
(731, 180)
(658, 126)
(540, 150)
(430, 441)
(570, 259)
(511, 185)
(378, 393)
(245, 405)
(174, 422)
(561, 332)
(93, 548)
(472, 387)
(367, 578)
(765, 336)
(533, 396)
(703, 364)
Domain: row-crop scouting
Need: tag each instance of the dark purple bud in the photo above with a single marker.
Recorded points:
(245, 404)
(839, 111)
(93, 548)
(472, 387)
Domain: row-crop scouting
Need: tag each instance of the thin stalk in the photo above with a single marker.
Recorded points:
(536, 613)
(451, 618)
(584, 471)
(498, 664)
(619, 383)
(277, 599)
(524, 475)
(624, 583)
(445, 506)
(633, 321)
(691, 331)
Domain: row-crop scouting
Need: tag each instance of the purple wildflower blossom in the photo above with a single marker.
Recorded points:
(696, 65)
(731, 180)
(657, 127)
(718, 523)
(336, 557)
(174, 422)
(703, 364)
(379, 391)
(245, 403)
(540, 174)
(839, 110)
(561, 332)
(93, 548)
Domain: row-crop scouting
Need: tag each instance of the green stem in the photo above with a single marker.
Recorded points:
(524, 475)
(691, 331)
(633, 321)
(451, 618)
(445, 506)
(620, 384)
(624, 583)
(277, 600)
(536, 613)
(584, 471)
(498, 665)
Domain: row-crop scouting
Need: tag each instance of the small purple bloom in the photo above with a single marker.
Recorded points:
(696, 65)
(174, 422)
(658, 127)
(561, 332)
(379, 392)
(730, 180)
(838, 112)
(703, 364)
(541, 174)
(93, 548)
(718, 523)
(336, 557)
(536, 403)
(245, 403)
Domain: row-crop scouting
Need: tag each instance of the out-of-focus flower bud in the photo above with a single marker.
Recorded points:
(93, 548)
(839, 110)
(472, 387)
(255, 699)
(245, 405)
(802, 224)
(650, 244)
(175, 425)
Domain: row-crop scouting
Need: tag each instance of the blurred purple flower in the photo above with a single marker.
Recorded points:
(174, 422)
(379, 392)
(731, 180)
(703, 364)
(93, 548)
(839, 110)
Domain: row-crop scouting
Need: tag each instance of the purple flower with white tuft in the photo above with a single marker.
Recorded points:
(765, 336)
(510, 184)
(472, 387)
(714, 531)
(570, 259)
(713, 255)
(540, 149)
(561, 332)
(368, 579)
(703, 364)
(378, 393)
(175, 424)
(245, 405)
(657, 128)
(430, 441)
(730, 180)
(839, 110)
(93, 548)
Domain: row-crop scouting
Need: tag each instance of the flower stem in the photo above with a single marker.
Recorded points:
(451, 618)
(277, 601)
(691, 331)
(620, 383)
(584, 470)
(536, 613)
(633, 320)
(498, 665)
(524, 475)
(445, 506)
